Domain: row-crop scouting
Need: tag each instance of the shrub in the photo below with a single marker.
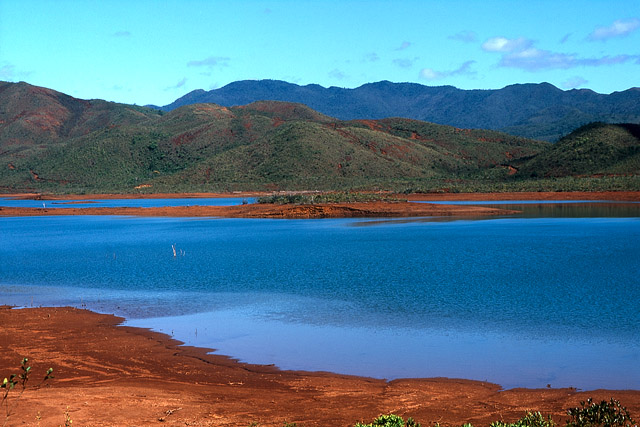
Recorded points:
(390, 420)
(605, 414)
(332, 197)
(531, 419)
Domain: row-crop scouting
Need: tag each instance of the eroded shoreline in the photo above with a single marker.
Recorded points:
(108, 374)
(327, 210)
(337, 210)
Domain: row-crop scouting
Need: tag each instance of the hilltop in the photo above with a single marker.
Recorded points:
(50, 141)
(594, 148)
(538, 111)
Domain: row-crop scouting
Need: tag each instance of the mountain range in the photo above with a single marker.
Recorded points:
(50, 141)
(538, 111)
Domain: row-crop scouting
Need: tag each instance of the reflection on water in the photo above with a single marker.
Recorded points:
(527, 209)
(561, 209)
(575, 210)
(521, 301)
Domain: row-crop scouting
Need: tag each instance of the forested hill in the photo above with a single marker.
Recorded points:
(538, 111)
(53, 142)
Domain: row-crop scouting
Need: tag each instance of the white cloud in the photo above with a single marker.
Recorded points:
(619, 28)
(574, 82)
(122, 34)
(533, 59)
(404, 45)
(337, 74)
(465, 36)
(431, 74)
(404, 62)
(178, 85)
(371, 57)
(521, 53)
(503, 44)
(465, 68)
(7, 72)
(212, 61)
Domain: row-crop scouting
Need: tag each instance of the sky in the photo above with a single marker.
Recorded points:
(154, 51)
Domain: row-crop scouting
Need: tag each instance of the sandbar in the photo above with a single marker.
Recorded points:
(326, 210)
(264, 210)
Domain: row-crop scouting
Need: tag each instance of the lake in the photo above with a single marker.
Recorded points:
(547, 297)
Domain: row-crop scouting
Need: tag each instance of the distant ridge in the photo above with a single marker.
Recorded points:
(52, 142)
(539, 111)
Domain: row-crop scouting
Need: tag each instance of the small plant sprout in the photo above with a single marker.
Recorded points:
(20, 379)
(67, 418)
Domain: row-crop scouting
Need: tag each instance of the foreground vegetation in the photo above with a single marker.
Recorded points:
(589, 414)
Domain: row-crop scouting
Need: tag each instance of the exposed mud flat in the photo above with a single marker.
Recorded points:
(107, 374)
(328, 210)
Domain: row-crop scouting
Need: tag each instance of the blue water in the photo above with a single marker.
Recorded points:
(518, 301)
(123, 203)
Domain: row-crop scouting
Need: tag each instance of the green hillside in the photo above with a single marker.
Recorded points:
(594, 149)
(55, 143)
(539, 111)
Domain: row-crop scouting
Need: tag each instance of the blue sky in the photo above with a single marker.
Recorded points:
(154, 51)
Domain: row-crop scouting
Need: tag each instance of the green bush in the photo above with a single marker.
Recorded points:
(331, 197)
(390, 420)
(531, 419)
(605, 414)
(589, 414)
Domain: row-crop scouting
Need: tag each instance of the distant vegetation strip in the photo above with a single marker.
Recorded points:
(331, 197)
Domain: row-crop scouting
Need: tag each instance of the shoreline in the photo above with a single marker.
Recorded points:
(326, 210)
(148, 376)
(525, 195)
(378, 209)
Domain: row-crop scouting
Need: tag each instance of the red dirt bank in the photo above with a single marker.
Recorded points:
(337, 210)
(121, 376)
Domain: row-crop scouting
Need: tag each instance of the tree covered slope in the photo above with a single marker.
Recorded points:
(53, 142)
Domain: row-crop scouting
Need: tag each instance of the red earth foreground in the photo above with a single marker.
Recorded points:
(110, 375)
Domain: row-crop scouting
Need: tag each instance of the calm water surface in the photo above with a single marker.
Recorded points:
(520, 301)
(124, 203)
